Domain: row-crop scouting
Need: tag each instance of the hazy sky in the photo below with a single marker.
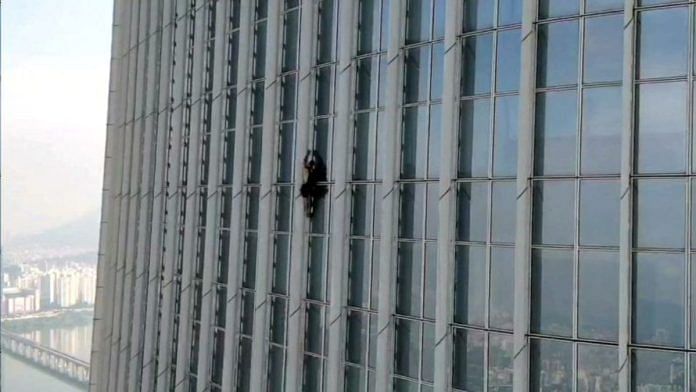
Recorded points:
(55, 71)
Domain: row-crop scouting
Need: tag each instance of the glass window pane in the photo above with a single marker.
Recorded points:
(428, 352)
(693, 307)
(326, 30)
(599, 212)
(603, 5)
(552, 291)
(286, 146)
(416, 74)
(437, 71)
(478, 14)
(557, 53)
(260, 50)
(316, 269)
(662, 43)
(555, 8)
(364, 146)
(359, 274)
(509, 12)
(409, 279)
(503, 208)
(659, 213)
(324, 91)
(657, 371)
(366, 80)
(411, 217)
(553, 212)
(477, 64)
(472, 211)
(415, 142)
(288, 98)
(430, 289)
(601, 130)
(434, 148)
(468, 364)
(505, 136)
(470, 285)
(661, 125)
(368, 26)
(597, 368)
(556, 133)
(407, 350)
(361, 216)
(418, 21)
(508, 66)
(474, 138)
(356, 338)
(502, 287)
(598, 295)
(658, 303)
(551, 366)
(431, 216)
(603, 48)
(290, 44)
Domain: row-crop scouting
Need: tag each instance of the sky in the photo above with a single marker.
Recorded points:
(55, 72)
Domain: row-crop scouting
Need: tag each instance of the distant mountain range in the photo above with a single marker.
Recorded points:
(81, 233)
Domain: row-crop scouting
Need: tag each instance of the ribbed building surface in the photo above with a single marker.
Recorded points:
(511, 206)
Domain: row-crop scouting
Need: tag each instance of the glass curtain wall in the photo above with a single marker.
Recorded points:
(252, 187)
(365, 179)
(283, 190)
(486, 196)
(663, 183)
(225, 193)
(316, 300)
(414, 317)
(575, 212)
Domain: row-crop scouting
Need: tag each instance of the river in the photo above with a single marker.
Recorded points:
(18, 376)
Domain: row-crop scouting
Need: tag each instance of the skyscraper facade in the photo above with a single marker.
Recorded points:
(511, 197)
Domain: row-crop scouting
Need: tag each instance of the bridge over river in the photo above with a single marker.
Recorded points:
(60, 364)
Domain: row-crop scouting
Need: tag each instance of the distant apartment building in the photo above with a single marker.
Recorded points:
(511, 197)
(17, 302)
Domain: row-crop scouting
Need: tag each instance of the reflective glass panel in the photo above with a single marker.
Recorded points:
(472, 211)
(657, 371)
(601, 130)
(603, 49)
(662, 43)
(597, 368)
(557, 53)
(603, 5)
(502, 287)
(553, 212)
(509, 12)
(599, 212)
(474, 138)
(551, 367)
(416, 74)
(598, 295)
(556, 130)
(407, 348)
(415, 142)
(409, 279)
(478, 14)
(508, 65)
(661, 123)
(418, 21)
(477, 61)
(503, 211)
(659, 208)
(552, 291)
(468, 364)
(658, 299)
(470, 285)
(556, 8)
(505, 136)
